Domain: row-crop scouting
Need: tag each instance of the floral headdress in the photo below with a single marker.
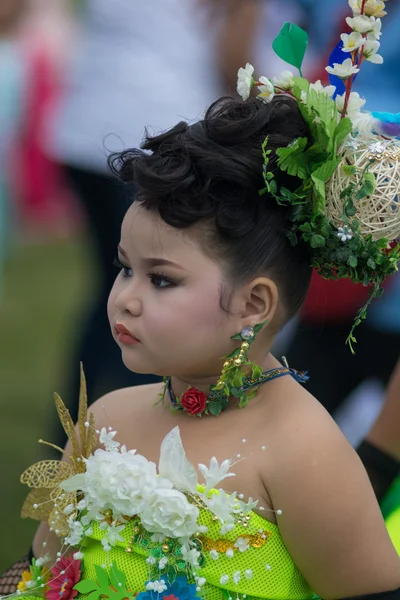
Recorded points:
(347, 206)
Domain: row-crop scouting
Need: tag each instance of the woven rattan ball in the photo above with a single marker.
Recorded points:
(379, 213)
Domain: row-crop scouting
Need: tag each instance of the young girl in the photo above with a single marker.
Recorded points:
(207, 271)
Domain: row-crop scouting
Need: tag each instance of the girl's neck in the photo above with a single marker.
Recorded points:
(180, 384)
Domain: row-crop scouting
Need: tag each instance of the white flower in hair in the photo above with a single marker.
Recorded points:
(370, 50)
(284, 80)
(344, 70)
(344, 233)
(351, 41)
(372, 8)
(267, 90)
(329, 90)
(216, 472)
(364, 24)
(245, 81)
(354, 105)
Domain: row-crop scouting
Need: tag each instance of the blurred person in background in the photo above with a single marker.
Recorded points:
(380, 453)
(45, 207)
(130, 60)
(330, 307)
(11, 95)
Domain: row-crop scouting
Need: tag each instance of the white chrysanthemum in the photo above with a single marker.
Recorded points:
(170, 513)
(121, 481)
(352, 41)
(284, 80)
(267, 90)
(343, 70)
(245, 81)
(354, 105)
(370, 50)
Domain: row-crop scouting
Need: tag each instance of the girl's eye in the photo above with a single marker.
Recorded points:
(126, 271)
(160, 282)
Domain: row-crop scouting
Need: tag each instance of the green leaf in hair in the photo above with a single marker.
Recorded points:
(291, 44)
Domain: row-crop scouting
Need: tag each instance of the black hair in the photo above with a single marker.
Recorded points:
(211, 172)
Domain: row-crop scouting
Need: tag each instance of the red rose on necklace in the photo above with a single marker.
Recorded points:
(194, 401)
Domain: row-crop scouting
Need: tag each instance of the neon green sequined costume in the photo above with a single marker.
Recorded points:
(390, 507)
(266, 569)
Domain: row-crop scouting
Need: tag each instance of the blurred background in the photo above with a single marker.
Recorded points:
(79, 79)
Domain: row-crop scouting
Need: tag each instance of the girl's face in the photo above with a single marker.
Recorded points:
(167, 295)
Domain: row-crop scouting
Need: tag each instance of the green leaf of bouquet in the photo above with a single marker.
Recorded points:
(349, 170)
(382, 243)
(305, 227)
(318, 195)
(326, 170)
(317, 241)
(371, 263)
(316, 154)
(102, 578)
(94, 595)
(293, 159)
(302, 84)
(370, 178)
(86, 586)
(317, 132)
(353, 261)
(349, 208)
(117, 577)
(368, 187)
(273, 186)
(291, 44)
(326, 230)
(343, 129)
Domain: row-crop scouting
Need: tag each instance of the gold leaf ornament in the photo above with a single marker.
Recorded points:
(47, 501)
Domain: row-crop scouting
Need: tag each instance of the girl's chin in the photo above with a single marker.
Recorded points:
(140, 367)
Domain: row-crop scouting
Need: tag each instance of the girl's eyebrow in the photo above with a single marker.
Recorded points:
(154, 261)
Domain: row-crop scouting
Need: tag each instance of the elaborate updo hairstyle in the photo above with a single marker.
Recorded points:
(211, 173)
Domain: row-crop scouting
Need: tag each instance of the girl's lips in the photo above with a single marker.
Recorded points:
(125, 336)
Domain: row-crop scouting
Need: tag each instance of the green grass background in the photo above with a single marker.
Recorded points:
(45, 289)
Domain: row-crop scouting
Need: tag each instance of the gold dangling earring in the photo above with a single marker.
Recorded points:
(239, 356)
